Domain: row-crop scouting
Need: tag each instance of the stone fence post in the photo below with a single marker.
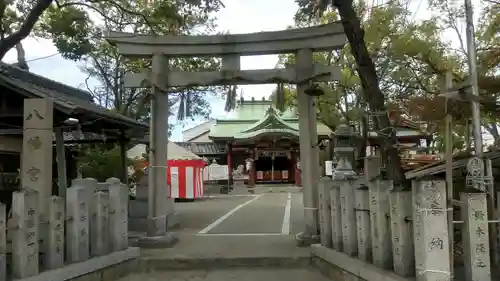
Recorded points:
(335, 215)
(430, 225)
(362, 200)
(380, 223)
(54, 244)
(25, 241)
(3, 242)
(99, 225)
(77, 224)
(402, 233)
(325, 218)
(118, 215)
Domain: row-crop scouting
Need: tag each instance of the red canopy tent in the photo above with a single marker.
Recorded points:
(184, 173)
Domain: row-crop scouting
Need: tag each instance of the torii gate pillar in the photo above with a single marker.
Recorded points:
(309, 154)
(160, 206)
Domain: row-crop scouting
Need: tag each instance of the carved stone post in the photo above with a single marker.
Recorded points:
(25, 243)
(475, 233)
(325, 220)
(402, 233)
(77, 224)
(54, 240)
(336, 216)
(380, 223)
(349, 226)
(118, 217)
(363, 222)
(432, 260)
(99, 225)
(37, 149)
(475, 236)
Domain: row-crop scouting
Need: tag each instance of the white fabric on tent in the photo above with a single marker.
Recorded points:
(176, 152)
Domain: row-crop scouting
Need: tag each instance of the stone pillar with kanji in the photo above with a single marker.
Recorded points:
(36, 163)
(475, 232)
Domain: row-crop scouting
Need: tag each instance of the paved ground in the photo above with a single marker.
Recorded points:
(243, 274)
(231, 246)
(229, 231)
(268, 211)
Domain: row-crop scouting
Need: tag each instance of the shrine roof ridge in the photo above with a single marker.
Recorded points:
(33, 78)
(318, 38)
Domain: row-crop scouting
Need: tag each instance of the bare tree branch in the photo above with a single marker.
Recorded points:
(10, 41)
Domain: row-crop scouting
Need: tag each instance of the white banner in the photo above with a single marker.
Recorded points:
(215, 172)
(328, 168)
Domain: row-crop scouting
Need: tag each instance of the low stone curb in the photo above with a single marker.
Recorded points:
(163, 264)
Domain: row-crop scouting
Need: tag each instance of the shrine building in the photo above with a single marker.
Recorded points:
(261, 143)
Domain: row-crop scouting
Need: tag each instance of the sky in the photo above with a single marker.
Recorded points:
(238, 16)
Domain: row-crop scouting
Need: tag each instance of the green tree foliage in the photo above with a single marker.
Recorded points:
(84, 40)
(409, 58)
(399, 49)
(451, 17)
(20, 17)
(101, 163)
(77, 29)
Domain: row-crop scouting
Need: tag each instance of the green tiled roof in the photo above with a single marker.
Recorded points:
(254, 118)
(256, 110)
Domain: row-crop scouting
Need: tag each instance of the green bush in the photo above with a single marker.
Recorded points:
(102, 163)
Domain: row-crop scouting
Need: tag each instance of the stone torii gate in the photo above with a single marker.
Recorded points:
(302, 42)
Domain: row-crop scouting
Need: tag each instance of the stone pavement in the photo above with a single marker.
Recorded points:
(240, 236)
(269, 210)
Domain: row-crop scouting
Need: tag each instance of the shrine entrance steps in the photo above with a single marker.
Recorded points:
(220, 258)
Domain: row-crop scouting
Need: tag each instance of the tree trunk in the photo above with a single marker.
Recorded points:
(21, 57)
(13, 39)
(371, 91)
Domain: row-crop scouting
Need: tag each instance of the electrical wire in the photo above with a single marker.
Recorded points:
(36, 59)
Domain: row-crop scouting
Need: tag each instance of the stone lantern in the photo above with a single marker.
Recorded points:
(345, 140)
